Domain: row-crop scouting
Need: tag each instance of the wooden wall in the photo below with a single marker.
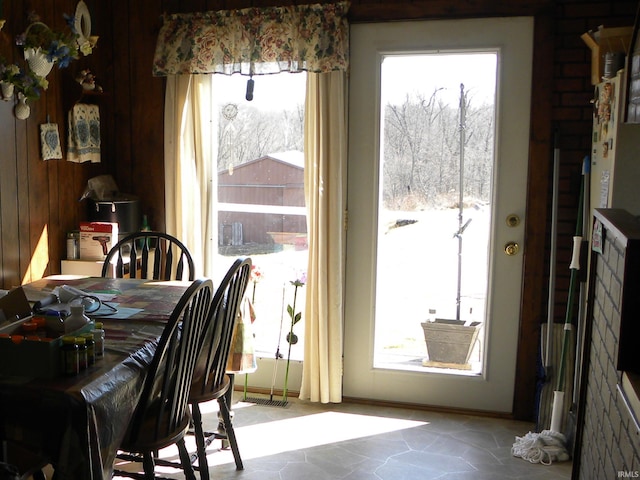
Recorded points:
(37, 196)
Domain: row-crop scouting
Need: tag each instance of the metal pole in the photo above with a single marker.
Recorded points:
(461, 197)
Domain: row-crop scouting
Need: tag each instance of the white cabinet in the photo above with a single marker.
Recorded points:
(90, 268)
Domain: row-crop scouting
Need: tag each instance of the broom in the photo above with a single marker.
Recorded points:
(558, 394)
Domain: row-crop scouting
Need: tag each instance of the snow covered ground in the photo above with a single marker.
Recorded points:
(417, 271)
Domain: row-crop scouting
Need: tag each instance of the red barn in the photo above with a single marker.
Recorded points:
(262, 201)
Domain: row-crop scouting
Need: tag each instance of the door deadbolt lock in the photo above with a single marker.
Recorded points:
(511, 248)
(513, 220)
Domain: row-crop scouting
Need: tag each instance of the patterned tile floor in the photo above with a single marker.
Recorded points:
(307, 441)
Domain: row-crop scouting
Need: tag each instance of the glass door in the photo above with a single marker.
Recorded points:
(437, 180)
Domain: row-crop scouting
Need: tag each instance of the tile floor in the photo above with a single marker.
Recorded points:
(308, 441)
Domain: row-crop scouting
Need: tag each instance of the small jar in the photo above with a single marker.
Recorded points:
(73, 245)
(98, 337)
(70, 359)
(82, 353)
(91, 348)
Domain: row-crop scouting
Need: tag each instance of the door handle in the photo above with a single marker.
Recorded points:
(511, 249)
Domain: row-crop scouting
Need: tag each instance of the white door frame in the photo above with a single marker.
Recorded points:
(492, 391)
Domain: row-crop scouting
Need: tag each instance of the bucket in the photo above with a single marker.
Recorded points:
(123, 210)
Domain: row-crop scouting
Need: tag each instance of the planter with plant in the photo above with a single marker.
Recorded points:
(44, 47)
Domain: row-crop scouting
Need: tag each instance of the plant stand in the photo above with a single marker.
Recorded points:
(449, 343)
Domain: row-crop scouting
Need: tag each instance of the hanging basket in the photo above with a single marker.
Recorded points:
(37, 35)
(38, 61)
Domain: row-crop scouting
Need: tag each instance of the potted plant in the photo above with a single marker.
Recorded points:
(450, 342)
(29, 86)
(8, 75)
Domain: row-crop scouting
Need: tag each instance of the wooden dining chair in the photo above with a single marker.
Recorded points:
(210, 381)
(162, 416)
(168, 256)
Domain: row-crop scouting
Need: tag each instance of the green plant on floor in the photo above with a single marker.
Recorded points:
(295, 317)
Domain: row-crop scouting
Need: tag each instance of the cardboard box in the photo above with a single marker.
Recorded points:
(32, 358)
(96, 239)
(603, 41)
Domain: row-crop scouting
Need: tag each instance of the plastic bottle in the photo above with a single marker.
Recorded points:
(76, 320)
(145, 224)
(98, 337)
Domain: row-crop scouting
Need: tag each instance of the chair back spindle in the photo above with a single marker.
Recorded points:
(162, 415)
(135, 253)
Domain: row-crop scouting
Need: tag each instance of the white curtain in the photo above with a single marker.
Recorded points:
(325, 176)
(190, 196)
(189, 165)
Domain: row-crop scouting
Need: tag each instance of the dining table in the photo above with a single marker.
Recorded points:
(77, 422)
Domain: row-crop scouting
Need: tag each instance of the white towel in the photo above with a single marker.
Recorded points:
(84, 134)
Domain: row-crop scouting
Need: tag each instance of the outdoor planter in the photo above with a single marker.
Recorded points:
(449, 342)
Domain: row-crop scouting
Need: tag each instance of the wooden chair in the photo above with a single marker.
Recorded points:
(162, 416)
(168, 255)
(210, 381)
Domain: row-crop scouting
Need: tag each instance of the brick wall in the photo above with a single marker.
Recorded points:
(610, 443)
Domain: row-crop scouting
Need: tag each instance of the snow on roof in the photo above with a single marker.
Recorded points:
(292, 157)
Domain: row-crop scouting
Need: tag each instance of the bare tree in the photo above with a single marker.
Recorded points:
(421, 150)
(252, 134)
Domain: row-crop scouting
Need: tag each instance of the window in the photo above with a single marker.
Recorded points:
(261, 206)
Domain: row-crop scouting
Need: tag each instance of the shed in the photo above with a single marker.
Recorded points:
(262, 201)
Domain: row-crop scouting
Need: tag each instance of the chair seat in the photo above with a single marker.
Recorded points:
(146, 439)
(198, 395)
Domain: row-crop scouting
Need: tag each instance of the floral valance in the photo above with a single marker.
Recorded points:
(255, 41)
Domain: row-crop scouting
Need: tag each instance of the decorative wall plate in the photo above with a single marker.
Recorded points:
(83, 22)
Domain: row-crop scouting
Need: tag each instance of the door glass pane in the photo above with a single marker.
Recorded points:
(260, 204)
(434, 216)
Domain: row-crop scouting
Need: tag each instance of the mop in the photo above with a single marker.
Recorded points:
(549, 445)
(570, 428)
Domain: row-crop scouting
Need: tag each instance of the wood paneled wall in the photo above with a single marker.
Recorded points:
(39, 200)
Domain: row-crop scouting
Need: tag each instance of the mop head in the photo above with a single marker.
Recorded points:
(545, 447)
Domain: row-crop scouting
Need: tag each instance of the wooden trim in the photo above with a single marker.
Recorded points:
(535, 275)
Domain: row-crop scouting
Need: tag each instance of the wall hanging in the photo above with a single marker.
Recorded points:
(44, 48)
(50, 141)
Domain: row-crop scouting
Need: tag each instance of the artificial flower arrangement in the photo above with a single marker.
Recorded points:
(15, 80)
(43, 48)
(57, 47)
(295, 317)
